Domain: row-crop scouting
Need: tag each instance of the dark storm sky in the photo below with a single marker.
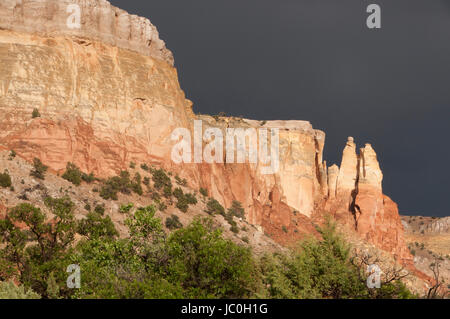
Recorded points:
(316, 60)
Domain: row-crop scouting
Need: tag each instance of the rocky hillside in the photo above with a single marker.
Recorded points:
(92, 195)
(426, 225)
(428, 239)
(108, 95)
(87, 197)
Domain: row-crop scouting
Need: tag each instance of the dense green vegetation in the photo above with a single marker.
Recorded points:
(123, 184)
(173, 222)
(161, 179)
(74, 175)
(184, 200)
(191, 262)
(125, 209)
(8, 290)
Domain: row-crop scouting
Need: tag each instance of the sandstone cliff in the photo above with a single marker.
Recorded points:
(99, 21)
(108, 94)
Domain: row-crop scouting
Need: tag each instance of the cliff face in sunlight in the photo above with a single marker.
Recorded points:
(108, 95)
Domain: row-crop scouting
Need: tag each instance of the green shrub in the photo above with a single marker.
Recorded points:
(146, 181)
(184, 200)
(121, 183)
(234, 229)
(155, 196)
(208, 266)
(72, 174)
(181, 182)
(173, 222)
(145, 167)
(182, 203)
(88, 178)
(132, 165)
(393, 290)
(12, 155)
(42, 250)
(229, 218)
(236, 210)
(125, 209)
(35, 113)
(213, 207)
(196, 262)
(323, 269)
(319, 269)
(108, 191)
(5, 180)
(136, 184)
(167, 191)
(95, 226)
(162, 206)
(178, 193)
(99, 209)
(53, 291)
(8, 290)
(39, 169)
(191, 199)
(161, 179)
(204, 191)
(275, 272)
(183, 206)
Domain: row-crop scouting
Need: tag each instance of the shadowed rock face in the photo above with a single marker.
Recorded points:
(105, 101)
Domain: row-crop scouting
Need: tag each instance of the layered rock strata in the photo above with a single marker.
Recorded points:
(108, 96)
(86, 19)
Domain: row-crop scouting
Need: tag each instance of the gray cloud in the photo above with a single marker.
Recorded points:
(316, 60)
